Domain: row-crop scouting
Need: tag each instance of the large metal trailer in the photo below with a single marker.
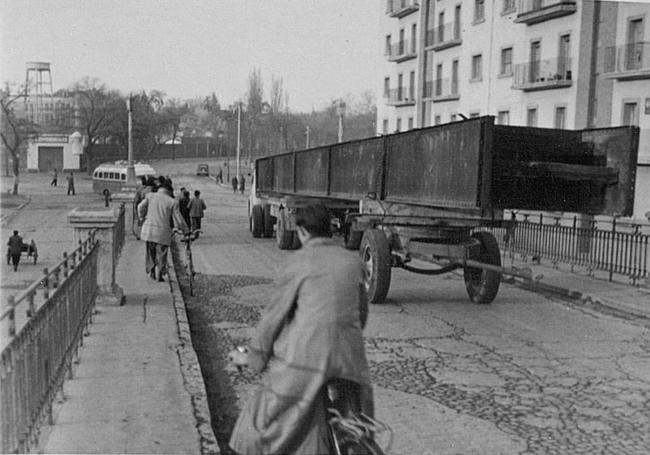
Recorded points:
(428, 194)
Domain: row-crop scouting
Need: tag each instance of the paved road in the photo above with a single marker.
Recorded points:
(525, 375)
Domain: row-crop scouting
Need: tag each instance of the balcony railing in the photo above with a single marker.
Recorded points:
(442, 37)
(441, 90)
(400, 8)
(531, 12)
(400, 96)
(627, 62)
(543, 74)
(403, 50)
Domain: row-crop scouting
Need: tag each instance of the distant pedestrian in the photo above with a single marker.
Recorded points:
(197, 207)
(70, 179)
(15, 244)
(160, 213)
(234, 184)
(220, 176)
(183, 205)
(55, 178)
(242, 183)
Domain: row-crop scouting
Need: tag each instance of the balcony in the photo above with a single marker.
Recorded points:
(401, 96)
(403, 50)
(401, 8)
(534, 11)
(627, 62)
(440, 90)
(443, 37)
(543, 75)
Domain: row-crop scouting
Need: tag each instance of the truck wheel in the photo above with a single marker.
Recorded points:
(250, 217)
(283, 237)
(295, 241)
(375, 254)
(483, 285)
(268, 221)
(257, 220)
(352, 238)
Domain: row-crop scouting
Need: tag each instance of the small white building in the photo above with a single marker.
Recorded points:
(55, 151)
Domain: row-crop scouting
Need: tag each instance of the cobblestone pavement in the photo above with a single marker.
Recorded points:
(525, 375)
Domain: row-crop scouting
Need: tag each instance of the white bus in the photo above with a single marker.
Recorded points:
(112, 176)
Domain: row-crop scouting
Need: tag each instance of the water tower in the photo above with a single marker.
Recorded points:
(38, 90)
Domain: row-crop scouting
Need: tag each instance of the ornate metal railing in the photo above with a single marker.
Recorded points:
(42, 343)
(628, 57)
(543, 74)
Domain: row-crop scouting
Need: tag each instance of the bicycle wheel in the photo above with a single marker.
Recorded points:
(190, 269)
(362, 446)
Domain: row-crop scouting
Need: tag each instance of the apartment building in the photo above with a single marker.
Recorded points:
(546, 63)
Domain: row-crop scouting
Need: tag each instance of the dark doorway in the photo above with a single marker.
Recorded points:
(50, 158)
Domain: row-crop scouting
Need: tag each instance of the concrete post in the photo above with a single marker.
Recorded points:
(126, 197)
(104, 221)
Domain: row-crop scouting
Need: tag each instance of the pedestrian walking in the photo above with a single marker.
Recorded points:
(15, 244)
(55, 178)
(146, 187)
(234, 184)
(159, 212)
(311, 332)
(70, 179)
(220, 176)
(183, 205)
(196, 207)
(242, 183)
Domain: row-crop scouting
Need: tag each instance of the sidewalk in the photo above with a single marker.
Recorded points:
(138, 387)
(612, 297)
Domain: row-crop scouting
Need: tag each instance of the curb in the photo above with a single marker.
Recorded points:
(4, 219)
(191, 370)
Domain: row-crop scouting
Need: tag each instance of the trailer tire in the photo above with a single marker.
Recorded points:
(257, 221)
(375, 254)
(483, 285)
(295, 241)
(268, 220)
(283, 236)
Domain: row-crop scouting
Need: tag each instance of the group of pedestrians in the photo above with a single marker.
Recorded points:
(238, 183)
(159, 213)
(69, 179)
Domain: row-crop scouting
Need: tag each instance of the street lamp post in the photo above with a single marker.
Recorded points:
(340, 111)
(238, 134)
(130, 170)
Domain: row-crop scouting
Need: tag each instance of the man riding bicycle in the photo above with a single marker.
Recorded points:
(310, 333)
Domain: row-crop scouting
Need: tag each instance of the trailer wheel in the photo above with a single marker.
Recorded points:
(295, 241)
(283, 237)
(483, 285)
(268, 220)
(375, 254)
(257, 220)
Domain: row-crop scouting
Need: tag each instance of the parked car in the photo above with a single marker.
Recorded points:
(203, 169)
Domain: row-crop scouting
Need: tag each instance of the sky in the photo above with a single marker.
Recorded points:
(323, 49)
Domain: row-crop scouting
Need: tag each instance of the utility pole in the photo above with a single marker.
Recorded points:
(307, 133)
(340, 111)
(130, 170)
(238, 134)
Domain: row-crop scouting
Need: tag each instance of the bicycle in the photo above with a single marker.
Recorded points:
(351, 431)
(188, 238)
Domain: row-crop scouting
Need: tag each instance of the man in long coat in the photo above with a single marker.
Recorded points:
(311, 332)
(160, 212)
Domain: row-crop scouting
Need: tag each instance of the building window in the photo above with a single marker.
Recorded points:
(503, 117)
(631, 113)
(634, 48)
(414, 40)
(454, 77)
(412, 86)
(441, 27)
(457, 22)
(508, 6)
(452, 117)
(564, 55)
(560, 117)
(385, 126)
(479, 10)
(410, 123)
(401, 43)
(437, 120)
(506, 62)
(438, 91)
(400, 85)
(386, 87)
(535, 61)
(387, 51)
(398, 126)
(531, 116)
(477, 67)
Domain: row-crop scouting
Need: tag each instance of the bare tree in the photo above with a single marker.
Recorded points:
(15, 130)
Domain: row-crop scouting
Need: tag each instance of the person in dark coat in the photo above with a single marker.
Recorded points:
(234, 184)
(55, 178)
(183, 205)
(242, 183)
(15, 244)
(196, 207)
(311, 332)
(70, 179)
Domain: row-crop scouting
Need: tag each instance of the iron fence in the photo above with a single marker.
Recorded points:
(607, 245)
(119, 233)
(37, 357)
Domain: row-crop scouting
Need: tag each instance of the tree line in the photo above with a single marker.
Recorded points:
(266, 123)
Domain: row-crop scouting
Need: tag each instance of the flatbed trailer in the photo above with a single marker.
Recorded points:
(428, 194)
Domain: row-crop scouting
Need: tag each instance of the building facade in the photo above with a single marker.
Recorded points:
(546, 63)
